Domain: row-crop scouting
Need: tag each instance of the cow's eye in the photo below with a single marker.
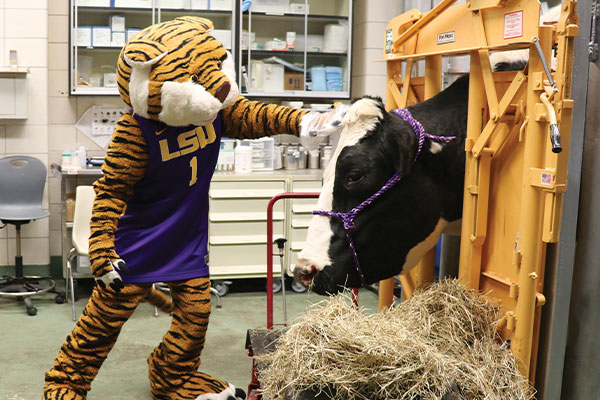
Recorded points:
(353, 177)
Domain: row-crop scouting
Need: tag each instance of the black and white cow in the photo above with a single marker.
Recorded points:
(391, 234)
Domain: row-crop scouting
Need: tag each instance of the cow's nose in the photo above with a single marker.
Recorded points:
(223, 91)
(305, 272)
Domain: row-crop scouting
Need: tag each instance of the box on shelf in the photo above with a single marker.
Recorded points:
(199, 5)
(314, 42)
(223, 36)
(117, 39)
(271, 6)
(221, 5)
(263, 154)
(272, 77)
(293, 81)
(101, 36)
(93, 3)
(177, 4)
(130, 33)
(84, 36)
(133, 3)
(299, 8)
(110, 79)
(117, 23)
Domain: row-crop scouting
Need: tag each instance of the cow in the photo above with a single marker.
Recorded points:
(409, 165)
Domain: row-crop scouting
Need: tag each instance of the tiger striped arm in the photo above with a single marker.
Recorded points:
(247, 119)
(124, 165)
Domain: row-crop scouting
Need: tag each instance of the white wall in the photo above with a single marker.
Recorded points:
(370, 20)
(24, 28)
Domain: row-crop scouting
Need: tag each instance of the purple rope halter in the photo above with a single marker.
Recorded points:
(348, 217)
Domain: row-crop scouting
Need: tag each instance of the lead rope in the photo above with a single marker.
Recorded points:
(348, 217)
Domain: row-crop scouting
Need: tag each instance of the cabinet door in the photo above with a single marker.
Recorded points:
(238, 227)
(296, 49)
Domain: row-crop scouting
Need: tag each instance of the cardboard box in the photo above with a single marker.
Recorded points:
(221, 5)
(272, 77)
(84, 36)
(130, 33)
(199, 4)
(293, 81)
(110, 79)
(174, 4)
(117, 23)
(271, 6)
(117, 39)
(93, 3)
(223, 36)
(133, 3)
(101, 36)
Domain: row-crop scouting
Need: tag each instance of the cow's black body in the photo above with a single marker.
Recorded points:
(432, 188)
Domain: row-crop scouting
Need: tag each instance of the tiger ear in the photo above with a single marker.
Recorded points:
(140, 55)
(199, 23)
(143, 53)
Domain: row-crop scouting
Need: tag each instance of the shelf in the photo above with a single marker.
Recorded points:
(263, 15)
(294, 53)
(96, 91)
(298, 93)
(233, 239)
(243, 194)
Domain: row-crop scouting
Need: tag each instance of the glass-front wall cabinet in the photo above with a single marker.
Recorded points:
(100, 28)
(296, 48)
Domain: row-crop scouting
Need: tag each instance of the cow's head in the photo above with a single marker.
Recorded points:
(391, 234)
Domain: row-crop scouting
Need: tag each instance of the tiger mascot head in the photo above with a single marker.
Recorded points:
(176, 72)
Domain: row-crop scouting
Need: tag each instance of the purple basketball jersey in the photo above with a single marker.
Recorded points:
(163, 234)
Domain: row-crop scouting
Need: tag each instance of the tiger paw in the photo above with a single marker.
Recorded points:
(231, 393)
(62, 393)
(198, 386)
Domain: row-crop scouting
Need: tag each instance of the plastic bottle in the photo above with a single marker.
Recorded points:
(82, 154)
(66, 158)
(243, 158)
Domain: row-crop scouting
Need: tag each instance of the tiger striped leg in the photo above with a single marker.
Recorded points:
(94, 335)
(174, 363)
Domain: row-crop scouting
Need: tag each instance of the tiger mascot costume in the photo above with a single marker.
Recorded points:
(150, 216)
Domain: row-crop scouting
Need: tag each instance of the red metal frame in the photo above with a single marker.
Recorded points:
(270, 254)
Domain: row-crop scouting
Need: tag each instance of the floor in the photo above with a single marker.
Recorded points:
(29, 344)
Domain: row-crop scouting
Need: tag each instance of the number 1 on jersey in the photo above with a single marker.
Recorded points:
(194, 166)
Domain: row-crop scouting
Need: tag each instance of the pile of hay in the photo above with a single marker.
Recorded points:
(440, 341)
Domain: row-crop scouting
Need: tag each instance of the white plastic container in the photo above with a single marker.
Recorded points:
(243, 158)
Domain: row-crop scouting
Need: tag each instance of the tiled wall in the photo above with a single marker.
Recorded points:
(370, 20)
(64, 110)
(39, 31)
(24, 28)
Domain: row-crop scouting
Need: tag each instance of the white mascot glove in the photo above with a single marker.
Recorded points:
(112, 278)
(316, 124)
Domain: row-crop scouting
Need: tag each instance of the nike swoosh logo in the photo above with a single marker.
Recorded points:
(161, 131)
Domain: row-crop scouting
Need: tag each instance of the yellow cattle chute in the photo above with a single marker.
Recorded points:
(514, 182)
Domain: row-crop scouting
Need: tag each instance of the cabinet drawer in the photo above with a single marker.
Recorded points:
(242, 232)
(306, 186)
(246, 189)
(243, 206)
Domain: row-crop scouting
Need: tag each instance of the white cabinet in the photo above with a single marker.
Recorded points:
(238, 220)
(292, 48)
(13, 94)
(100, 28)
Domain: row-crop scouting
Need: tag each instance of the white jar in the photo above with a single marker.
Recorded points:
(243, 159)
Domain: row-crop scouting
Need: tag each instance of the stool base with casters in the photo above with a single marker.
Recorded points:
(23, 287)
